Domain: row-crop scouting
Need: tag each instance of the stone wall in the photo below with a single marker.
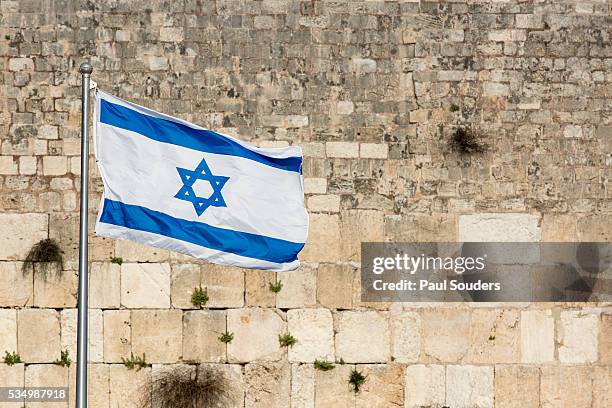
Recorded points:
(372, 91)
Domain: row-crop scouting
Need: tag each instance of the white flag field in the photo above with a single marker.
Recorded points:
(171, 184)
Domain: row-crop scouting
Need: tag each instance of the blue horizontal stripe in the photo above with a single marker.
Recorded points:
(235, 242)
(167, 131)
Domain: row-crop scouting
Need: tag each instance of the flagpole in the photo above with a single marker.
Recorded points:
(81, 375)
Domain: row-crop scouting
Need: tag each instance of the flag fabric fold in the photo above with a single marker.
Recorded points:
(175, 185)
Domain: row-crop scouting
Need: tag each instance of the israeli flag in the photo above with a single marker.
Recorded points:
(174, 185)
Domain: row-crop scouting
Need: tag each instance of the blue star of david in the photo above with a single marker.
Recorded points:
(202, 172)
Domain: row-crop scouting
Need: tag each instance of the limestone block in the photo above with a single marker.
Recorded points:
(594, 227)
(344, 107)
(127, 386)
(469, 386)
(68, 323)
(105, 285)
(55, 289)
(299, 288)
(507, 35)
(363, 336)
(55, 165)
(172, 34)
(444, 334)
(21, 64)
(46, 375)
(335, 286)
(314, 331)
(98, 385)
(363, 65)
(602, 387)
(494, 336)
(268, 384)
(302, 386)
(8, 330)
(558, 228)
(517, 386)
(38, 335)
(27, 165)
(359, 226)
(117, 335)
(501, 227)
(158, 334)
(17, 288)
(566, 387)
(374, 151)
(324, 239)
(201, 331)
(419, 116)
(315, 185)
(8, 165)
(605, 348)
(342, 149)
(332, 388)
(11, 376)
(235, 380)
(257, 288)
(185, 278)
(383, 387)
(225, 285)
(20, 232)
(64, 228)
(424, 386)
(256, 334)
(134, 252)
(324, 203)
(537, 336)
(145, 285)
(405, 336)
(577, 337)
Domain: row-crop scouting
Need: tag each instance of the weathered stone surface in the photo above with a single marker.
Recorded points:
(537, 336)
(68, 323)
(302, 386)
(8, 330)
(268, 384)
(362, 337)
(158, 334)
(335, 286)
(299, 288)
(55, 289)
(256, 334)
(602, 387)
(605, 339)
(225, 285)
(517, 386)
(405, 336)
(201, 331)
(494, 336)
(445, 335)
(98, 385)
(499, 227)
(383, 387)
(127, 386)
(117, 335)
(578, 337)
(105, 285)
(314, 331)
(185, 279)
(357, 226)
(20, 232)
(257, 286)
(565, 387)
(425, 386)
(18, 287)
(332, 388)
(145, 285)
(324, 239)
(46, 375)
(469, 386)
(133, 252)
(11, 376)
(31, 325)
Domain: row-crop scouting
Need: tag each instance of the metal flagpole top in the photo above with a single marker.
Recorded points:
(86, 68)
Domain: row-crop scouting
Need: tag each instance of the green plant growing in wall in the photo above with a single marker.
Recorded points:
(226, 337)
(356, 379)
(135, 362)
(275, 287)
(287, 340)
(466, 140)
(64, 360)
(116, 260)
(47, 255)
(323, 365)
(199, 297)
(11, 358)
(454, 107)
